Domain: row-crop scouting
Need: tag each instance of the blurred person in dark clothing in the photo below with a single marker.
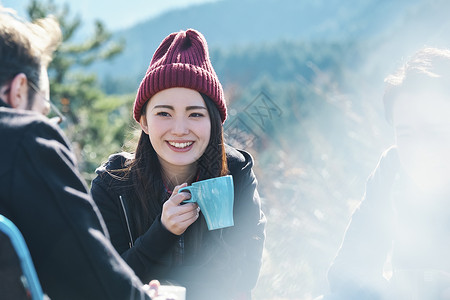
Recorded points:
(41, 191)
(397, 243)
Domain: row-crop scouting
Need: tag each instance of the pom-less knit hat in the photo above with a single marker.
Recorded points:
(182, 60)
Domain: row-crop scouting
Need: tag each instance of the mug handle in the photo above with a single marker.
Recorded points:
(188, 188)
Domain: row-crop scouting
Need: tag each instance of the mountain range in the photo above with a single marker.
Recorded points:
(394, 28)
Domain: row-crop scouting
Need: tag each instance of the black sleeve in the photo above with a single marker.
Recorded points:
(145, 254)
(61, 224)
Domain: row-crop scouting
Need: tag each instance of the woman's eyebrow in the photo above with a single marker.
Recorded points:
(195, 107)
(192, 107)
(163, 106)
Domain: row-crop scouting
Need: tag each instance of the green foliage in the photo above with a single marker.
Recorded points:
(104, 128)
(96, 124)
(71, 55)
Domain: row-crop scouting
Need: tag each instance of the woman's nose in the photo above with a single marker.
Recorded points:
(180, 127)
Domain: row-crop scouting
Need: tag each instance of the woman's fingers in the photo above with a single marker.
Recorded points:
(191, 213)
(177, 217)
(178, 187)
(176, 197)
(183, 216)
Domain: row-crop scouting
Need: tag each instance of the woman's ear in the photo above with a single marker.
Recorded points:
(143, 123)
(18, 94)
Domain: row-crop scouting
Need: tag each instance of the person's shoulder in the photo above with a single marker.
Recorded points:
(116, 162)
(387, 167)
(33, 143)
(115, 172)
(23, 120)
(21, 126)
(390, 154)
(238, 159)
(389, 160)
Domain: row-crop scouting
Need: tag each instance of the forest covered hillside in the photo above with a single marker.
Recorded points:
(231, 25)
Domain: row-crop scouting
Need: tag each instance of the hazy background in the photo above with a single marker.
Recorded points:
(304, 83)
(115, 14)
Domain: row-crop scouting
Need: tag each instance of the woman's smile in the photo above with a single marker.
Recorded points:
(180, 146)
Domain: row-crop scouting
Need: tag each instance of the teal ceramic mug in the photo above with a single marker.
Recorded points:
(215, 197)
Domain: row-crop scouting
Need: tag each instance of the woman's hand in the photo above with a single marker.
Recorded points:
(175, 217)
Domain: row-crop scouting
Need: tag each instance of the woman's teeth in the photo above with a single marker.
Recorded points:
(181, 145)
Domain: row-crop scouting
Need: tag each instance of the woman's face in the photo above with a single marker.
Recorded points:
(179, 126)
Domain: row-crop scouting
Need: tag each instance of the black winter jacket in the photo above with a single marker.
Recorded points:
(236, 260)
(42, 192)
(395, 219)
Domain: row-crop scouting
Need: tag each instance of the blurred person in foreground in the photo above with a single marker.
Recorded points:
(41, 190)
(397, 244)
(181, 108)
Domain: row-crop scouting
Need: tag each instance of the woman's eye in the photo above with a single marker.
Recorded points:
(163, 114)
(196, 115)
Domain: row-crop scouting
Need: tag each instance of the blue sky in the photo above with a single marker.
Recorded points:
(115, 14)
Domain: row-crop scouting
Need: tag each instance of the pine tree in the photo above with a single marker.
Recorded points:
(96, 124)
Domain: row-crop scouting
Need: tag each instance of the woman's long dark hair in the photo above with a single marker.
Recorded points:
(145, 172)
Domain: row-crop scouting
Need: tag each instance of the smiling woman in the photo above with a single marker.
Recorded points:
(181, 108)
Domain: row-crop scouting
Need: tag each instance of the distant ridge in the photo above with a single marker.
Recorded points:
(228, 24)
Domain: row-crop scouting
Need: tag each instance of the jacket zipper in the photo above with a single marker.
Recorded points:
(126, 220)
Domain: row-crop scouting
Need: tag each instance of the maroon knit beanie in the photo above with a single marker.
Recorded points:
(182, 60)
